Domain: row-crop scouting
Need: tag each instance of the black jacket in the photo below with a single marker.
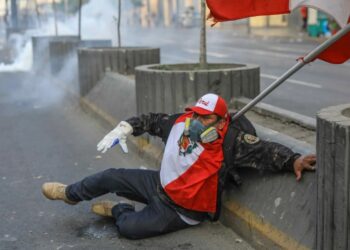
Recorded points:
(248, 151)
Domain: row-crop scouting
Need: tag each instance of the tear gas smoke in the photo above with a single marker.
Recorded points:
(97, 23)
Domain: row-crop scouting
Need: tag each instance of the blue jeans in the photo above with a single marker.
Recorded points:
(135, 184)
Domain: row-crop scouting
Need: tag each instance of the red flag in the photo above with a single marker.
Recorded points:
(226, 10)
(339, 52)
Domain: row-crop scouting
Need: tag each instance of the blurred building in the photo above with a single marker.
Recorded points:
(169, 13)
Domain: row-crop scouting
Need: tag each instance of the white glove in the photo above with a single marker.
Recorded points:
(117, 135)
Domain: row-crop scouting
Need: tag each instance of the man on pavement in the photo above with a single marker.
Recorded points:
(187, 188)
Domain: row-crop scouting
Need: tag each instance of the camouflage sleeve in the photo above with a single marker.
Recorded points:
(157, 124)
(250, 151)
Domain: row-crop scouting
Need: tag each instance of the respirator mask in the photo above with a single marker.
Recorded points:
(197, 132)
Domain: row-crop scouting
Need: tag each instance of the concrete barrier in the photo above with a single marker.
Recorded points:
(333, 196)
(11, 30)
(273, 210)
(168, 88)
(94, 62)
(41, 50)
(61, 51)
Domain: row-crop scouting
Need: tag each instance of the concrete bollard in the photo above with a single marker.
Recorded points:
(61, 51)
(168, 88)
(41, 50)
(94, 62)
(333, 162)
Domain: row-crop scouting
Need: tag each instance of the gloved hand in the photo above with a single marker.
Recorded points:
(117, 135)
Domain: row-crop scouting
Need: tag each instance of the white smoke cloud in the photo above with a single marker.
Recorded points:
(97, 23)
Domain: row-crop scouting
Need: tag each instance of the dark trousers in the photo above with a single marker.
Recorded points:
(135, 184)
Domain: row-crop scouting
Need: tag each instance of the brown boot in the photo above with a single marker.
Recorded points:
(56, 191)
(104, 208)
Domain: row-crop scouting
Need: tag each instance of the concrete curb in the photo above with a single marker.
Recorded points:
(278, 113)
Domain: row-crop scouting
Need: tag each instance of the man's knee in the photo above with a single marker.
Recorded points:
(128, 230)
(111, 174)
(108, 177)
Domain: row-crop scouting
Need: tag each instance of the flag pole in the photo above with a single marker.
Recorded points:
(301, 63)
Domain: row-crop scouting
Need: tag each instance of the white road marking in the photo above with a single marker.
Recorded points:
(308, 84)
(218, 55)
(267, 53)
(252, 51)
(213, 54)
(286, 49)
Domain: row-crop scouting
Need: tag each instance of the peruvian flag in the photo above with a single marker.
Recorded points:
(228, 10)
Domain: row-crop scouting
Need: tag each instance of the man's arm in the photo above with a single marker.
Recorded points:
(250, 151)
(155, 124)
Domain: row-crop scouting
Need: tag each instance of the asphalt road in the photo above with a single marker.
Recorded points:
(317, 85)
(46, 137)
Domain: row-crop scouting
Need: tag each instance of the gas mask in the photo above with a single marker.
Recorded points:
(197, 132)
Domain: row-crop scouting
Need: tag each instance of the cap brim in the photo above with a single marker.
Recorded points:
(199, 110)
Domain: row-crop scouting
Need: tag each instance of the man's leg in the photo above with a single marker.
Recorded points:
(155, 219)
(135, 184)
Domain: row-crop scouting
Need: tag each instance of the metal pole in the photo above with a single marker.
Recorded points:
(14, 16)
(79, 21)
(37, 12)
(308, 58)
(65, 10)
(119, 17)
(203, 42)
(6, 13)
(55, 17)
(248, 27)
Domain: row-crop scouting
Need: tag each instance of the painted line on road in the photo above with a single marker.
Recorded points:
(261, 53)
(286, 49)
(307, 84)
(213, 54)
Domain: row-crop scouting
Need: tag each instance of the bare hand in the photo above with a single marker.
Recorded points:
(305, 162)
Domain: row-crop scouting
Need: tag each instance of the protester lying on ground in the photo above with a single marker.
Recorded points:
(203, 149)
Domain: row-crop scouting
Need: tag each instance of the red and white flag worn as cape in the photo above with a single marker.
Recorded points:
(189, 175)
(228, 10)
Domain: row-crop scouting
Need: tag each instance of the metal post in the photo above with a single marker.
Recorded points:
(160, 13)
(308, 58)
(65, 9)
(149, 14)
(79, 21)
(203, 42)
(119, 17)
(6, 13)
(37, 12)
(14, 16)
(55, 16)
(248, 27)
